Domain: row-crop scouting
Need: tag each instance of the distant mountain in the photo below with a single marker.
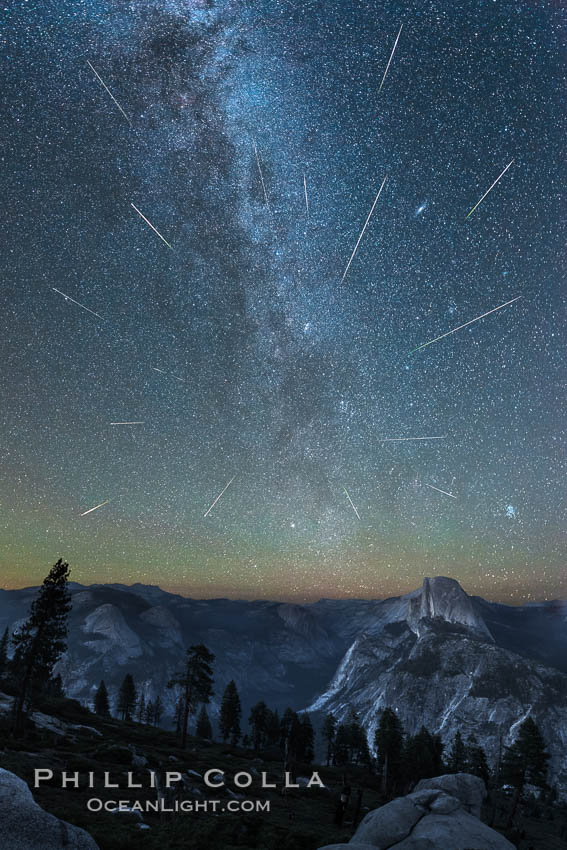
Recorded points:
(443, 669)
(439, 656)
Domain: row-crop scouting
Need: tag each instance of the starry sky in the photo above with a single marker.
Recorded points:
(254, 136)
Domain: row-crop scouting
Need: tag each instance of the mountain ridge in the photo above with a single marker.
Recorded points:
(327, 655)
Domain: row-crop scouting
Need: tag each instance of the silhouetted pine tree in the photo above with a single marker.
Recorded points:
(258, 722)
(4, 652)
(357, 743)
(341, 748)
(525, 761)
(41, 641)
(388, 743)
(328, 732)
(158, 711)
(178, 718)
(54, 687)
(476, 762)
(149, 713)
(126, 698)
(196, 681)
(307, 752)
(204, 728)
(457, 756)
(285, 728)
(272, 728)
(295, 740)
(230, 714)
(101, 704)
(422, 756)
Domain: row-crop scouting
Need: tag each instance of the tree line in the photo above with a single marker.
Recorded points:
(401, 758)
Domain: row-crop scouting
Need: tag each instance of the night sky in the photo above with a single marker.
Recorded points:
(239, 348)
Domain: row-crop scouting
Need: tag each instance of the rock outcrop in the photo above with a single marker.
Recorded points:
(26, 826)
(443, 670)
(444, 598)
(439, 815)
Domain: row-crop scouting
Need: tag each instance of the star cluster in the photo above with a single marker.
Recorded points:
(254, 138)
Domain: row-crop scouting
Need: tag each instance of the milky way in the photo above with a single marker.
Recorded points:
(254, 143)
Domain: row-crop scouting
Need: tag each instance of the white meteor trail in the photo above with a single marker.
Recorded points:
(82, 306)
(261, 177)
(441, 491)
(362, 231)
(431, 341)
(219, 495)
(405, 439)
(96, 507)
(306, 198)
(99, 78)
(126, 423)
(151, 225)
(390, 59)
(170, 374)
(351, 502)
(489, 190)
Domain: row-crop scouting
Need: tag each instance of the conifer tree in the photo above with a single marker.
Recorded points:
(101, 702)
(307, 752)
(422, 756)
(158, 711)
(196, 682)
(149, 713)
(4, 652)
(41, 641)
(388, 743)
(230, 714)
(204, 728)
(142, 709)
(295, 739)
(357, 743)
(285, 728)
(272, 728)
(126, 698)
(458, 755)
(258, 722)
(54, 687)
(525, 761)
(476, 762)
(341, 748)
(329, 731)
(178, 717)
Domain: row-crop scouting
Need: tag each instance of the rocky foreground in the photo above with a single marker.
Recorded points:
(26, 826)
(441, 814)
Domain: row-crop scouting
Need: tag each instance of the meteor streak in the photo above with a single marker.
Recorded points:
(99, 78)
(431, 341)
(261, 177)
(489, 190)
(404, 439)
(441, 491)
(306, 198)
(82, 306)
(151, 225)
(126, 423)
(362, 231)
(96, 507)
(351, 502)
(390, 59)
(219, 495)
(171, 375)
